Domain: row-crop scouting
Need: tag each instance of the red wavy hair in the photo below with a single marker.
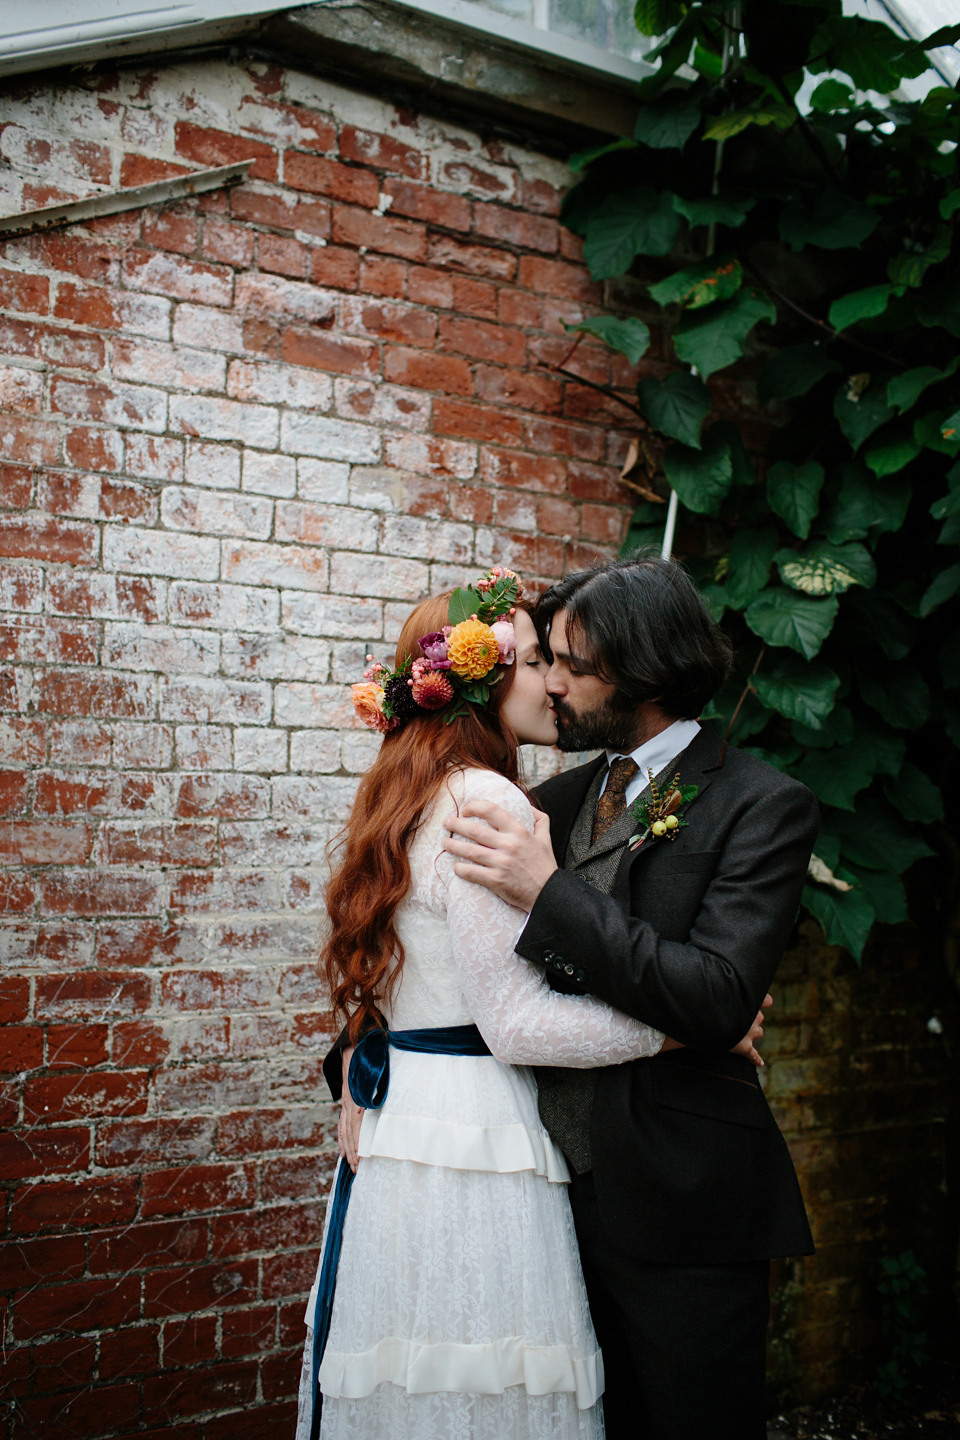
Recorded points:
(363, 956)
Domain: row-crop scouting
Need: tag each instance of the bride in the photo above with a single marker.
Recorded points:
(450, 1304)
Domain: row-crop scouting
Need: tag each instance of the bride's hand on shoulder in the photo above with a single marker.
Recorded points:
(351, 1118)
(748, 1045)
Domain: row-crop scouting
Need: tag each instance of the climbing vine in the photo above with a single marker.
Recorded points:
(784, 216)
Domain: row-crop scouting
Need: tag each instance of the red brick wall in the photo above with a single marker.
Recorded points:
(240, 435)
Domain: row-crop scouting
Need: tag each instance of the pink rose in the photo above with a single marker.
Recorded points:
(506, 640)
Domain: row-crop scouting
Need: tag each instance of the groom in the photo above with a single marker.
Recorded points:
(682, 1188)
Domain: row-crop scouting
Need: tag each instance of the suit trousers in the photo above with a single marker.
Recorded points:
(683, 1345)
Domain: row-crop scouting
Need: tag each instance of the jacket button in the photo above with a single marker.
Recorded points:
(580, 976)
(568, 969)
(548, 955)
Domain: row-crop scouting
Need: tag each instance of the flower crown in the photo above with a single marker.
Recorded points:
(457, 665)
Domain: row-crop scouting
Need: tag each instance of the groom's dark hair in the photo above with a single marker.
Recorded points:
(642, 625)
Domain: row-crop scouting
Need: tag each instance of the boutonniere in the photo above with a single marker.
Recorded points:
(661, 812)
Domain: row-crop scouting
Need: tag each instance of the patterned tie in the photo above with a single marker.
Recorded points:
(613, 801)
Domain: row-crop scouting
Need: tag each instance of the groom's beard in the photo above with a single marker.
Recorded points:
(605, 727)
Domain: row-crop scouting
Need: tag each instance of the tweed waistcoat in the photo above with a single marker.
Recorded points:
(566, 1095)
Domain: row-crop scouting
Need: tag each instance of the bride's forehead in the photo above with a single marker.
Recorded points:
(525, 629)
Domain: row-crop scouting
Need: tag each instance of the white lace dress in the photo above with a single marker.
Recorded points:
(460, 1311)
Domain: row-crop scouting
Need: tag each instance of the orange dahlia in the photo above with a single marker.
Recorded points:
(472, 649)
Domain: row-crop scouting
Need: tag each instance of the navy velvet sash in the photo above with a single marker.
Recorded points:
(369, 1080)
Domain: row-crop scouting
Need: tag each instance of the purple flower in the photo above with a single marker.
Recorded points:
(434, 647)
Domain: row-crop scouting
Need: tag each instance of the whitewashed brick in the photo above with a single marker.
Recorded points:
(434, 539)
(336, 526)
(358, 750)
(325, 480)
(258, 842)
(161, 647)
(279, 385)
(294, 299)
(199, 700)
(107, 597)
(254, 562)
(485, 546)
(21, 588)
(377, 575)
(204, 747)
(153, 457)
(377, 487)
(175, 366)
(315, 750)
(129, 407)
(21, 389)
(214, 419)
(142, 314)
(348, 659)
(313, 614)
(170, 275)
(209, 329)
(382, 404)
(257, 748)
(395, 616)
(157, 552)
(276, 657)
(269, 474)
(295, 798)
(302, 434)
(145, 747)
(211, 514)
(215, 467)
(327, 707)
(425, 456)
(223, 607)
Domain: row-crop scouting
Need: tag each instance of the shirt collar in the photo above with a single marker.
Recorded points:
(654, 754)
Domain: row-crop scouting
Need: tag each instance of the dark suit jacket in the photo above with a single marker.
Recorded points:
(689, 1165)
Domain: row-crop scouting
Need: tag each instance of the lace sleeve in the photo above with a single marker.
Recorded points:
(522, 1020)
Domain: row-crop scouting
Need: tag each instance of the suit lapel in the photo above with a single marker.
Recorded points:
(695, 766)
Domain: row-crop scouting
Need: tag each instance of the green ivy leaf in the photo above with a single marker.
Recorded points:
(629, 337)
(868, 617)
(794, 493)
(900, 694)
(891, 450)
(580, 159)
(870, 52)
(667, 122)
(782, 617)
(928, 433)
(832, 222)
(875, 837)
(641, 221)
(909, 268)
(836, 776)
(946, 585)
(729, 210)
(905, 390)
(885, 891)
(714, 340)
(859, 418)
(677, 405)
(846, 917)
(724, 127)
(950, 204)
(716, 599)
(463, 603)
(915, 795)
(702, 477)
(861, 305)
(950, 426)
(700, 284)
(832, 95)
(794, 371)
(865, 506)
(825, 569)
(801, 690)
(654, 17)
(748, 563)
(940, 305)
(885, 748)
(837, 730)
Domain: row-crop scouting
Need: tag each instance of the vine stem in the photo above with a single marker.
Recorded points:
(821, 324)
(746, 691)
(592, 385)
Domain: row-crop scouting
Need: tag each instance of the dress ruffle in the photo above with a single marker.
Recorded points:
(503, 1149)
(422, 1369)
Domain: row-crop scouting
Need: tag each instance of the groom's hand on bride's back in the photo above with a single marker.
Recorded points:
(748, 1045)
(491, 848)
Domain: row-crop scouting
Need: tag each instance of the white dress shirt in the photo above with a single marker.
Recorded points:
(655, 754)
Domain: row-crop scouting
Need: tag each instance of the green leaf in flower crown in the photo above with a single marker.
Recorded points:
(677, 405)
(794, 371)
(870, 52)
(940, 305)
(464, 602)
(836, 776)
(884, 746)
(867, 617)
(782, 617)
(865, 506)
(729, 210)
(748, 563)
(885, 891)
(846, 916)
(915, 795)
(832, 95)
(794, 493)
(628, 223)
(861, 305)
(950, 661)
(876, 837)
(667, 122)
(629, 337)
(860, 416)
(837, 729)
(700, 284)
(825, 569)
(832, 222)
(715, 339)
(899, 694)
(801, 690)
(905, 390)
(888, 452)
(944, 587)
(702, 477)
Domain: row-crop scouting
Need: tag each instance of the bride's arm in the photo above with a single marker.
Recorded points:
(522, 1020)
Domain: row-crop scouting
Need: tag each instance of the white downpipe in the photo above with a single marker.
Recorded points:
(670, 527)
